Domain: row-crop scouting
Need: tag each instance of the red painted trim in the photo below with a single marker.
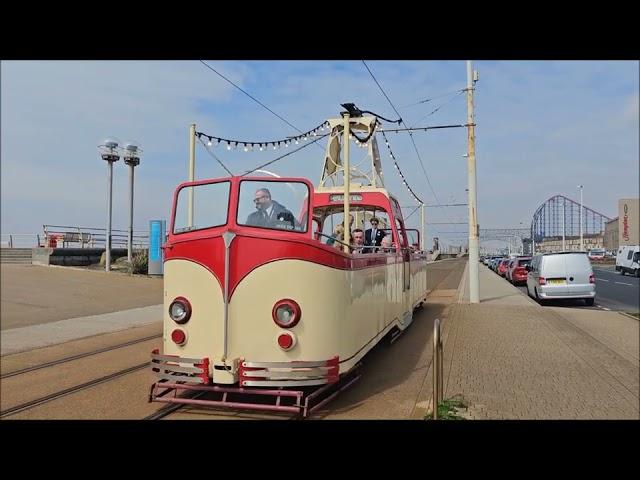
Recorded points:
(205, 370)
(257, 250)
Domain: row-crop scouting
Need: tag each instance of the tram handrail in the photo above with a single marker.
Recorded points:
(437, 368)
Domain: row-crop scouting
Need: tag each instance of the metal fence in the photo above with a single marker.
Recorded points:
(20, 240)
(65, 236)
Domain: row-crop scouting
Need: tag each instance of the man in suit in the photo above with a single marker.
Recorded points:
(372, 236)
(270, 214)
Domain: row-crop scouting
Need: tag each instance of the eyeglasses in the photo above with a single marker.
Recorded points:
(374, 223)
(257, 199)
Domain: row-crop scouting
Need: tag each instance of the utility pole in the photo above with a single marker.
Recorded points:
(474, 283)
(422, 238)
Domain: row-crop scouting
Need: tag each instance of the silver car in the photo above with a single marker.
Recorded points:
(560, 276)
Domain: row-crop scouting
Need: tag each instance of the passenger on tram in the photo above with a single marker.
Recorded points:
(358, 241)
(386, 244)
(269, 213)
(338, 234)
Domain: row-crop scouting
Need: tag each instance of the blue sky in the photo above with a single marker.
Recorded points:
(543, 127)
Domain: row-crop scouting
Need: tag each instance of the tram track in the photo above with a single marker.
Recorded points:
(68, 391)
(77, 357)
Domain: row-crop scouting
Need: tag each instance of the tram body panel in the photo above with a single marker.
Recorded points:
(196, 283)
(343, 311)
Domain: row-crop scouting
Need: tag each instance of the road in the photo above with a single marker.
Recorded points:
(613, 292)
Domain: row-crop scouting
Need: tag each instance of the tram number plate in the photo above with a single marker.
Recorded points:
(557, 281)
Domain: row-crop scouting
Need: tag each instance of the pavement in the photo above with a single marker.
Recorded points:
(510, 358)
(34, 295)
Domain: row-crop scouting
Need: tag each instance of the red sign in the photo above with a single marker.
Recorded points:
(625, 223)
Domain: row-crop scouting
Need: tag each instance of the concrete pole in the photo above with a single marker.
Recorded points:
(422, 237)
(130, 240)
(474, 283)
(347, 185)
(108, 238)
(581, 241)
(192, 170)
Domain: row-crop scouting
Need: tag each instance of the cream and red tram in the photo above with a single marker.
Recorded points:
(273, 317)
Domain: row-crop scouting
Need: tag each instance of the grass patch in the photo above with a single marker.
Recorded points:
(449, 409)
(139, 262)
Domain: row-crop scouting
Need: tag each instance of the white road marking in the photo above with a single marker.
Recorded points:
(620, 283)
(602, 280)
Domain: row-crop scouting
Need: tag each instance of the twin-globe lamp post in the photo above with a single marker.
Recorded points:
(110, 152)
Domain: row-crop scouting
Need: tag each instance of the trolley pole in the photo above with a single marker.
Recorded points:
(474, 295)
(347, 185)
(192, 170)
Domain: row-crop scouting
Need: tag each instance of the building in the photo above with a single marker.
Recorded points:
(611, 239)
(629, 221)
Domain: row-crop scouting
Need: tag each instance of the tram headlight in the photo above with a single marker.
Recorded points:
(180, 310)
(286, 313)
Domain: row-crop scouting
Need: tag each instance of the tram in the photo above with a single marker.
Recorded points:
(264, 307)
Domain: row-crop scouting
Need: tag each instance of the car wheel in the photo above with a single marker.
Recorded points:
(589, 301)
(637, 272)
(622, 271)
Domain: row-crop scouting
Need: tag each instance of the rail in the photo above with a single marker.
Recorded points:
(65, 235)
(437, 368)
(20, 240)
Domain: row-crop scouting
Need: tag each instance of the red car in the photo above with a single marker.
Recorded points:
(518, 272)
(502, 267)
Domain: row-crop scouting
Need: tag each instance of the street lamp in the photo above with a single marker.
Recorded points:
(110, 152)
(131, 156)
(581, 242)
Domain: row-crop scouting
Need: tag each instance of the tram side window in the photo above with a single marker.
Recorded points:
(210, 207)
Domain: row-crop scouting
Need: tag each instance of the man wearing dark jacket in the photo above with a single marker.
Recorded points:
(269, 213)
(372, 236)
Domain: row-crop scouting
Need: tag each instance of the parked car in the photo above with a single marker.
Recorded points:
(494, 263)
(560, 276)
(517, 272)
(596, 254)
(628, 260)
(502, 266)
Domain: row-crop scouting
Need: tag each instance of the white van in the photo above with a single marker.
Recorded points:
(628, 260)
(560, 276)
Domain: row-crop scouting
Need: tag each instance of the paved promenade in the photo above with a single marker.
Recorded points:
(511, 358)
